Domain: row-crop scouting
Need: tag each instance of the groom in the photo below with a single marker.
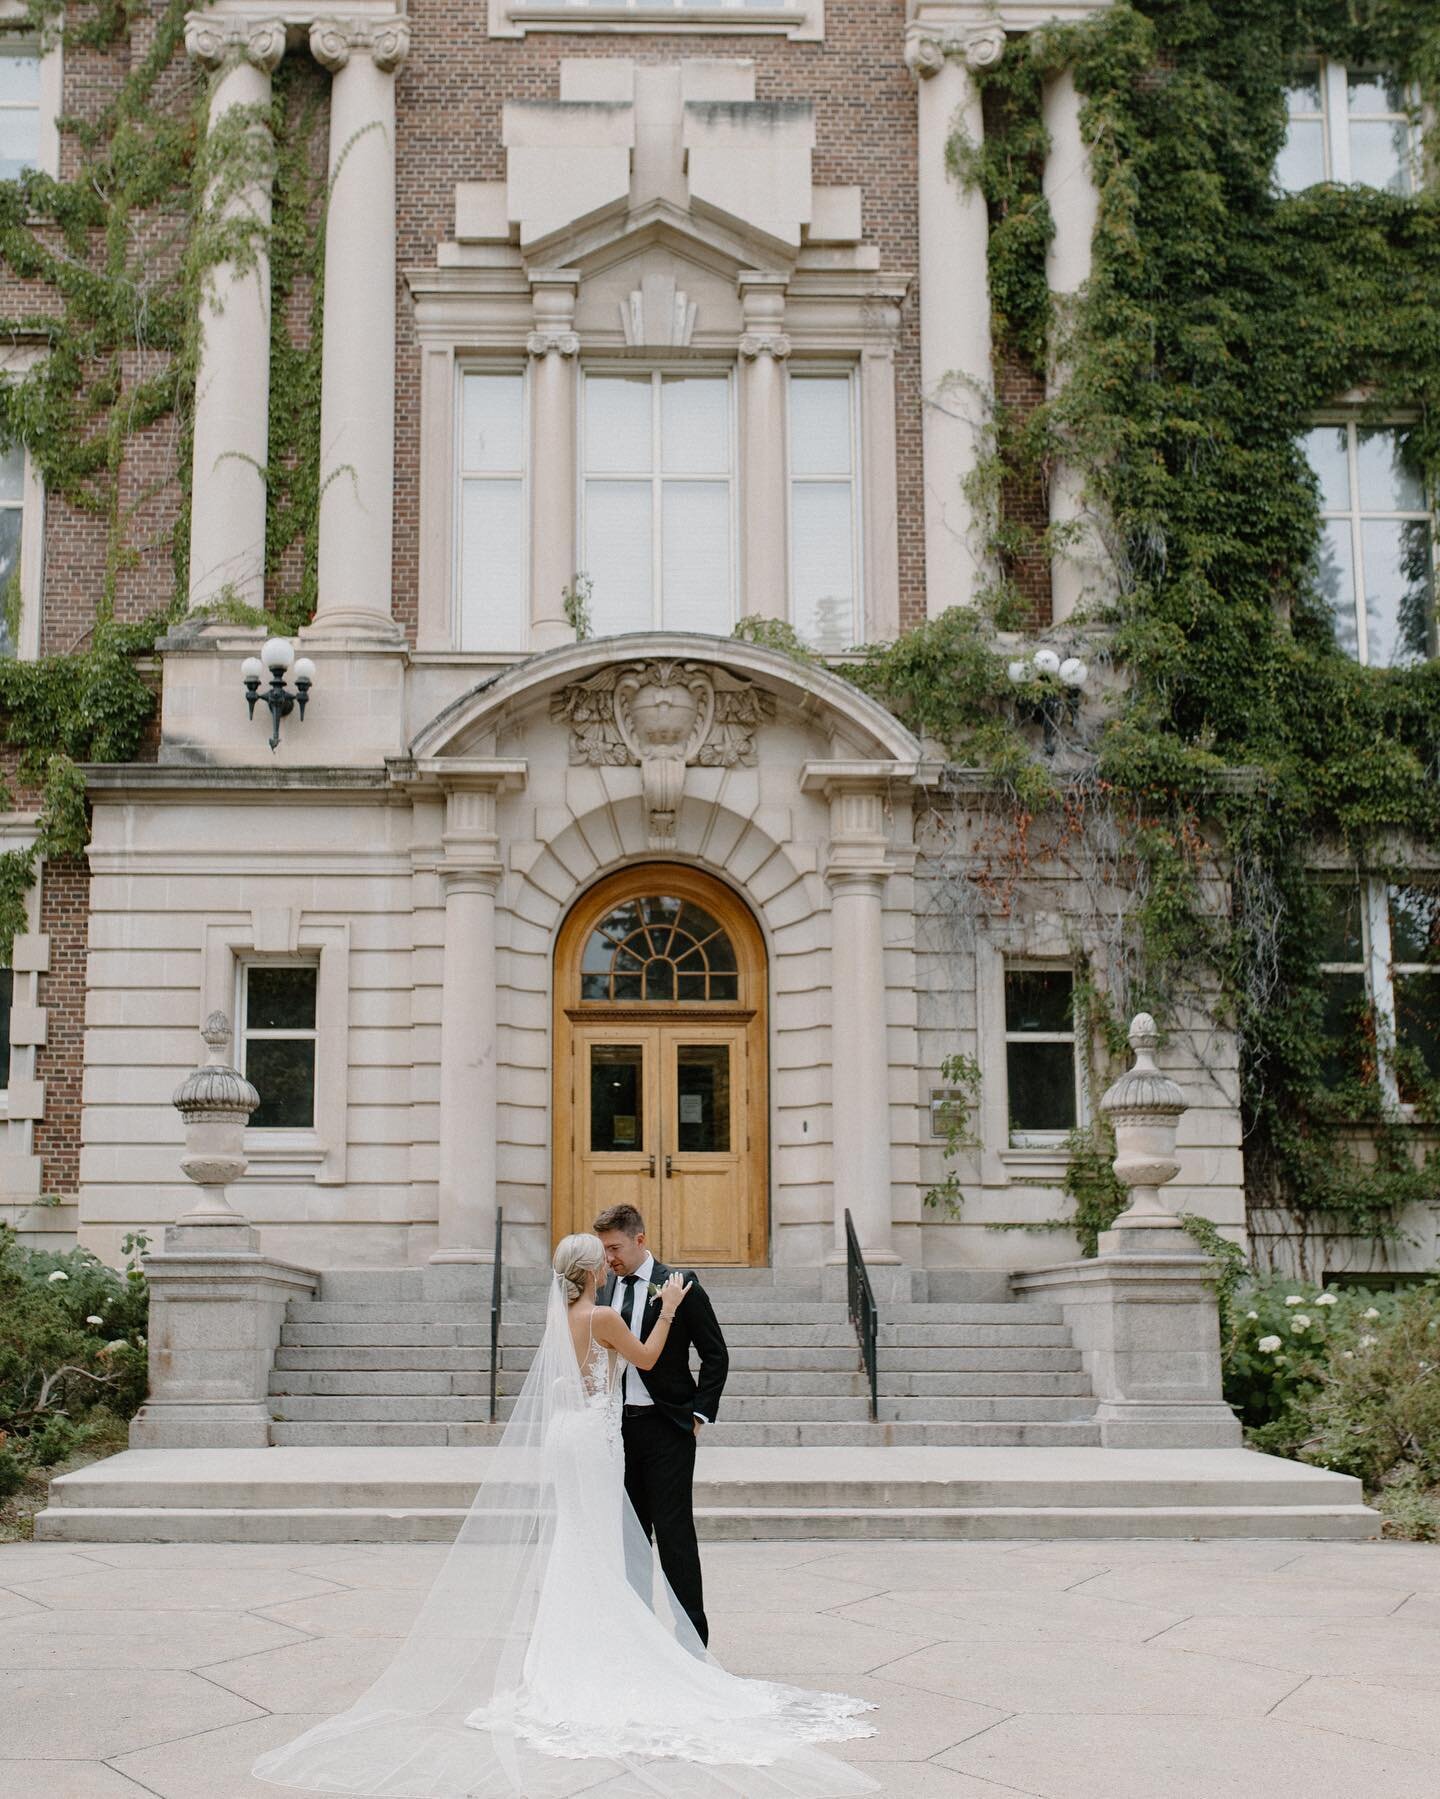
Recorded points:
(664, 1407)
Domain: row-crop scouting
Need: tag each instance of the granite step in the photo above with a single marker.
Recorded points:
(422, 1494)
(724, 1435)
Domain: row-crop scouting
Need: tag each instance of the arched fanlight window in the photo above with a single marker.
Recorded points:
(658, 948)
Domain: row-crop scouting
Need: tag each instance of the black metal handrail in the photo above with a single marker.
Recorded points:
(497, 1289)
(864, 1313)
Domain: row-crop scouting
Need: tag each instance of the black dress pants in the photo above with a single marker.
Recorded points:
(659, 1481)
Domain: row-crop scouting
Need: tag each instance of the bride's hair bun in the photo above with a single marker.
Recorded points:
(575, 1257)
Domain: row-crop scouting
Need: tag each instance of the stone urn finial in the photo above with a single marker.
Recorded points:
(216, 1101)
(1144, 1107)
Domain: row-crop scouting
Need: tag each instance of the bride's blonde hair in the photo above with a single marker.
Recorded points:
(575, 1257)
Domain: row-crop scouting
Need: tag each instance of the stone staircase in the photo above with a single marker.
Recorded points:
(375, 1362)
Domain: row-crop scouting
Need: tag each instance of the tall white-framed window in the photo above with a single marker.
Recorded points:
(1377, 552)
(278, 1009)
(1044, 1078)
(657, 499)
(1349, 125)
(493, 534)
(22, 95)
(825, 559)
(1380, 975)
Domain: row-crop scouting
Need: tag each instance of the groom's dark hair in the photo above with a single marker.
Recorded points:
(620, 1218)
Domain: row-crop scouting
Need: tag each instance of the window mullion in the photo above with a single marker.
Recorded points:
(1381, 983)
(1337, 108)
(657, 506)
(1357, 545)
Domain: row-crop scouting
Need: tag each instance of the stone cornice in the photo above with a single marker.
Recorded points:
(1008, 15)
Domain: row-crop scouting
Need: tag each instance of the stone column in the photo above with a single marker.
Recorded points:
(856, 873)
(469, 875)
(232, 386)
(554, 353)
(765, 583)
(357, 375)
(955, 351)
(1143, 1312)
(1075, 207)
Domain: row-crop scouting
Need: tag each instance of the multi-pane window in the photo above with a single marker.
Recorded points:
(659, 948)
(1377, 556)
(1348, 125)
(1380, 969)
(824, 515)
(1041, 1065)
(278, 1042)
(19, 109)
(657, 502)
(494, 602)
(12, 533)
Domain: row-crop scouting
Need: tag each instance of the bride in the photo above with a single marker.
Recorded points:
(550, 1658)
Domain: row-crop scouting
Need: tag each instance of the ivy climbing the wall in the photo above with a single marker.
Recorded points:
(113, 260)
(1220, 318)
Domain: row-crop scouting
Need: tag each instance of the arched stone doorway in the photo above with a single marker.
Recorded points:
(661, 1070)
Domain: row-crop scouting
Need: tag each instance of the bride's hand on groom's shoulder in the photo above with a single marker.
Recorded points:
(672, 1293)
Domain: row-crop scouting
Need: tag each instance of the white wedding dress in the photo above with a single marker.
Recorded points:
(538, 1668)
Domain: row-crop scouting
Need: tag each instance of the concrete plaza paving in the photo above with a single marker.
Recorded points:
(1060, 1670)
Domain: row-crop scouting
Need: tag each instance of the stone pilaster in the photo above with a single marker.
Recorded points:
(357, 398)
(232, 389)
(856, 872)
(955, 348)
(764, 346)
(470, 877)
(554, 355)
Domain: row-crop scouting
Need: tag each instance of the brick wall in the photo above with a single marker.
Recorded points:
(1024, 502)
(64, 911)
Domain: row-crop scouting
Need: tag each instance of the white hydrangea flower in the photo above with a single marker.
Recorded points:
(1367, 1342)
(1268, 1344)
(1294, 1299)
(1299, 1323)
(1349, 1355)
(94, 1318)
(1326, 1299)
(1252, 1314)
(1370, 1312)
(58, 1275)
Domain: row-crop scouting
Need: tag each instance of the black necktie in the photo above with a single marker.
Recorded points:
(627, 1312)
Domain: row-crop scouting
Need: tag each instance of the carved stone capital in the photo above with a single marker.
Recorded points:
(333, 41)
(562, 343)
(926, 51)
(765, 343)
(984, 48)
(213, 40)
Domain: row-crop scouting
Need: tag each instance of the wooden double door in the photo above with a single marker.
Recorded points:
(660, 1088)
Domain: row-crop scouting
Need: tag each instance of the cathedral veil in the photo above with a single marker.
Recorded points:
(540, 1559)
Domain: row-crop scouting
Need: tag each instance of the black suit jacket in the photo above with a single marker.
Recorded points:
(675, 1390)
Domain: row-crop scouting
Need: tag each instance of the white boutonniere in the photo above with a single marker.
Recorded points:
(654, 1289)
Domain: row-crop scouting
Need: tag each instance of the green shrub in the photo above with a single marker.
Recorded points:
(72, 1351)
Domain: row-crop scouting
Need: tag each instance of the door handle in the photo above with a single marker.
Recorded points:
(652, 1168)
(669, 1171)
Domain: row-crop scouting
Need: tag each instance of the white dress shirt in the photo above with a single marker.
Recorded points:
(639, 1394)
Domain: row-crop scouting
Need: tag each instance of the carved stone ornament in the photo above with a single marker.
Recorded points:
(926, 51)
(213, 41)
(332, 41)
(665, 716)
(562, 343)
(765, 343)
